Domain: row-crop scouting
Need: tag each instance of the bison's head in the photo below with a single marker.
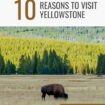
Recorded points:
(65, 96)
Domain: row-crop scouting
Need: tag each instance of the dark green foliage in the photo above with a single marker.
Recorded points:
(22, 65)
(39, 66)
(101, 64)
(50, 63)
(45, 57)
(25, 65)
(55, 65)
(44, 61)
(2, 64)
(9, 68)
(35, 63)
(28, 64)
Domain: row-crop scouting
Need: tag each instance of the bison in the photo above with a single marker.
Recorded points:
(54, 89)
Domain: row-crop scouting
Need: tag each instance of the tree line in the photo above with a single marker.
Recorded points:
(50, 63)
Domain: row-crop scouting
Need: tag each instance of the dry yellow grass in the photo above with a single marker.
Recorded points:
(25, 90)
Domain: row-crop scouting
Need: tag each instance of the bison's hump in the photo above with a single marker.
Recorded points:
(52, 87)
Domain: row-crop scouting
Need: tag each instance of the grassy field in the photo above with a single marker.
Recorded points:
(25, 90)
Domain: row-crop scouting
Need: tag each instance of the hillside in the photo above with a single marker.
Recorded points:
(72, 34)
(52, 50)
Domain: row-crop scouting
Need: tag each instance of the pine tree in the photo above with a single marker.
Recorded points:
(24, 65)
(28, 65)
(50, 62)
(101, 64)
(39, 66)
(35, 63)
(2, 64)
(10, 68)
(45, 62)
(45, 57)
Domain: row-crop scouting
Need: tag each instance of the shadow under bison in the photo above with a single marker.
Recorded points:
(57, 90)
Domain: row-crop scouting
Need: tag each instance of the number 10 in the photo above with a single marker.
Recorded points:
(26, 9)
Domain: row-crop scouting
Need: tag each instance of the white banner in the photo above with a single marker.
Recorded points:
(52, 12)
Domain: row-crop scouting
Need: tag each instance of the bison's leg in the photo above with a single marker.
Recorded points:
(43, 96)
(56, 96)
(48, 95)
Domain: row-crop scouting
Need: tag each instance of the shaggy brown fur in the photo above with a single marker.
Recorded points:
(54, 89)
